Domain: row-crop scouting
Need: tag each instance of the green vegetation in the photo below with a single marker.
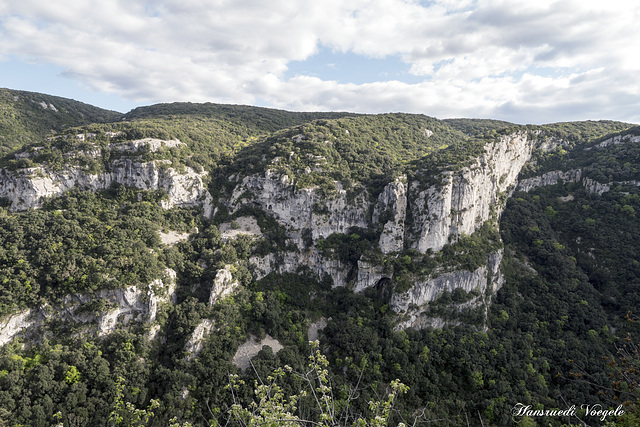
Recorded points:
(478, 127)
(363, 150)
(260, 120)
(557, 333)
(570, 140)
(84, 242)
(25, 120)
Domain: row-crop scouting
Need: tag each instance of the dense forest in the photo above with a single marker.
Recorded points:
(562, 329)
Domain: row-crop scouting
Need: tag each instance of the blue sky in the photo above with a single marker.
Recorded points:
(523, 61)
(50, 79)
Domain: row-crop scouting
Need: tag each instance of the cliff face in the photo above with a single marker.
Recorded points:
(393, 200)
(299, 209)
(26, 188)
(465, 200)
(413, 304)
(94, 313)
(407, 216)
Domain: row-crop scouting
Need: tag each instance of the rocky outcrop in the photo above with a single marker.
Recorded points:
(300, 209)
(11, 326)
(150, 145)
(313, 332)
(549, 178)
(465, 199)
(369, 275)
(290, 262)
(392, 208)
(193, 347)
(26, 188)
(555, 177)
(223, 284)
(244, 225)
(413, 303)
(100, 312)
(619, 139)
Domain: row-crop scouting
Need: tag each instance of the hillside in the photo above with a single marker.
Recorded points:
(27, 117)
(147, 258)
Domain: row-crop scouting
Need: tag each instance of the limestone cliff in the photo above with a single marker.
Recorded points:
(412, 214)
(414, 303)
(300, 209)
(26, 188)
(100, 312)
(392, 202)
(466, 198)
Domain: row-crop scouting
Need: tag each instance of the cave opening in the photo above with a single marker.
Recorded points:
(384, 289)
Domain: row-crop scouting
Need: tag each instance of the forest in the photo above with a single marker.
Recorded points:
(562, 329)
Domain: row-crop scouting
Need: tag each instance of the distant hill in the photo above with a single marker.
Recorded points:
(264, 119)
(477, 127)
(26, 117)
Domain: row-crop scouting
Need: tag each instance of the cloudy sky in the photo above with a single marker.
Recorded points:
(525, 61)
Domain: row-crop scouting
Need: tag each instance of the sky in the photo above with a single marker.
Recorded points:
(523, 61)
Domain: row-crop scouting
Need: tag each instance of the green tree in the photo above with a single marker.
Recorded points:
(273, 409)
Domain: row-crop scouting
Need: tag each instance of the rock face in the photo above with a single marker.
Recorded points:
(300, 209)
(554, 177)
(409, 214)
(13, 325)
(549, 178)
(100, 312)
(26, 188)
(465, 199)
(369, 275)
(194, 346)
(223, 284)
(619, 139)
(392, 203)
(289, 262)
(414, 302)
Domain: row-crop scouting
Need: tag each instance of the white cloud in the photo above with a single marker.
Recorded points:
(477, 58)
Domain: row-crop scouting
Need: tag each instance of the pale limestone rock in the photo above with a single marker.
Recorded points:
(302, 208)
(315, 328)
(147, 144)
(369, 275)
(289, 262)
(466, 199)
(26, 188)
(413, 303)
(223, 284)
(126, 305)
(619, 139)
(249, 350)
(549, 178)
(298, 210)
(594, 187)
(247, 225)
(172, 237)
(393, 199)
(554, 177)
(12, 325)
(193, 347)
